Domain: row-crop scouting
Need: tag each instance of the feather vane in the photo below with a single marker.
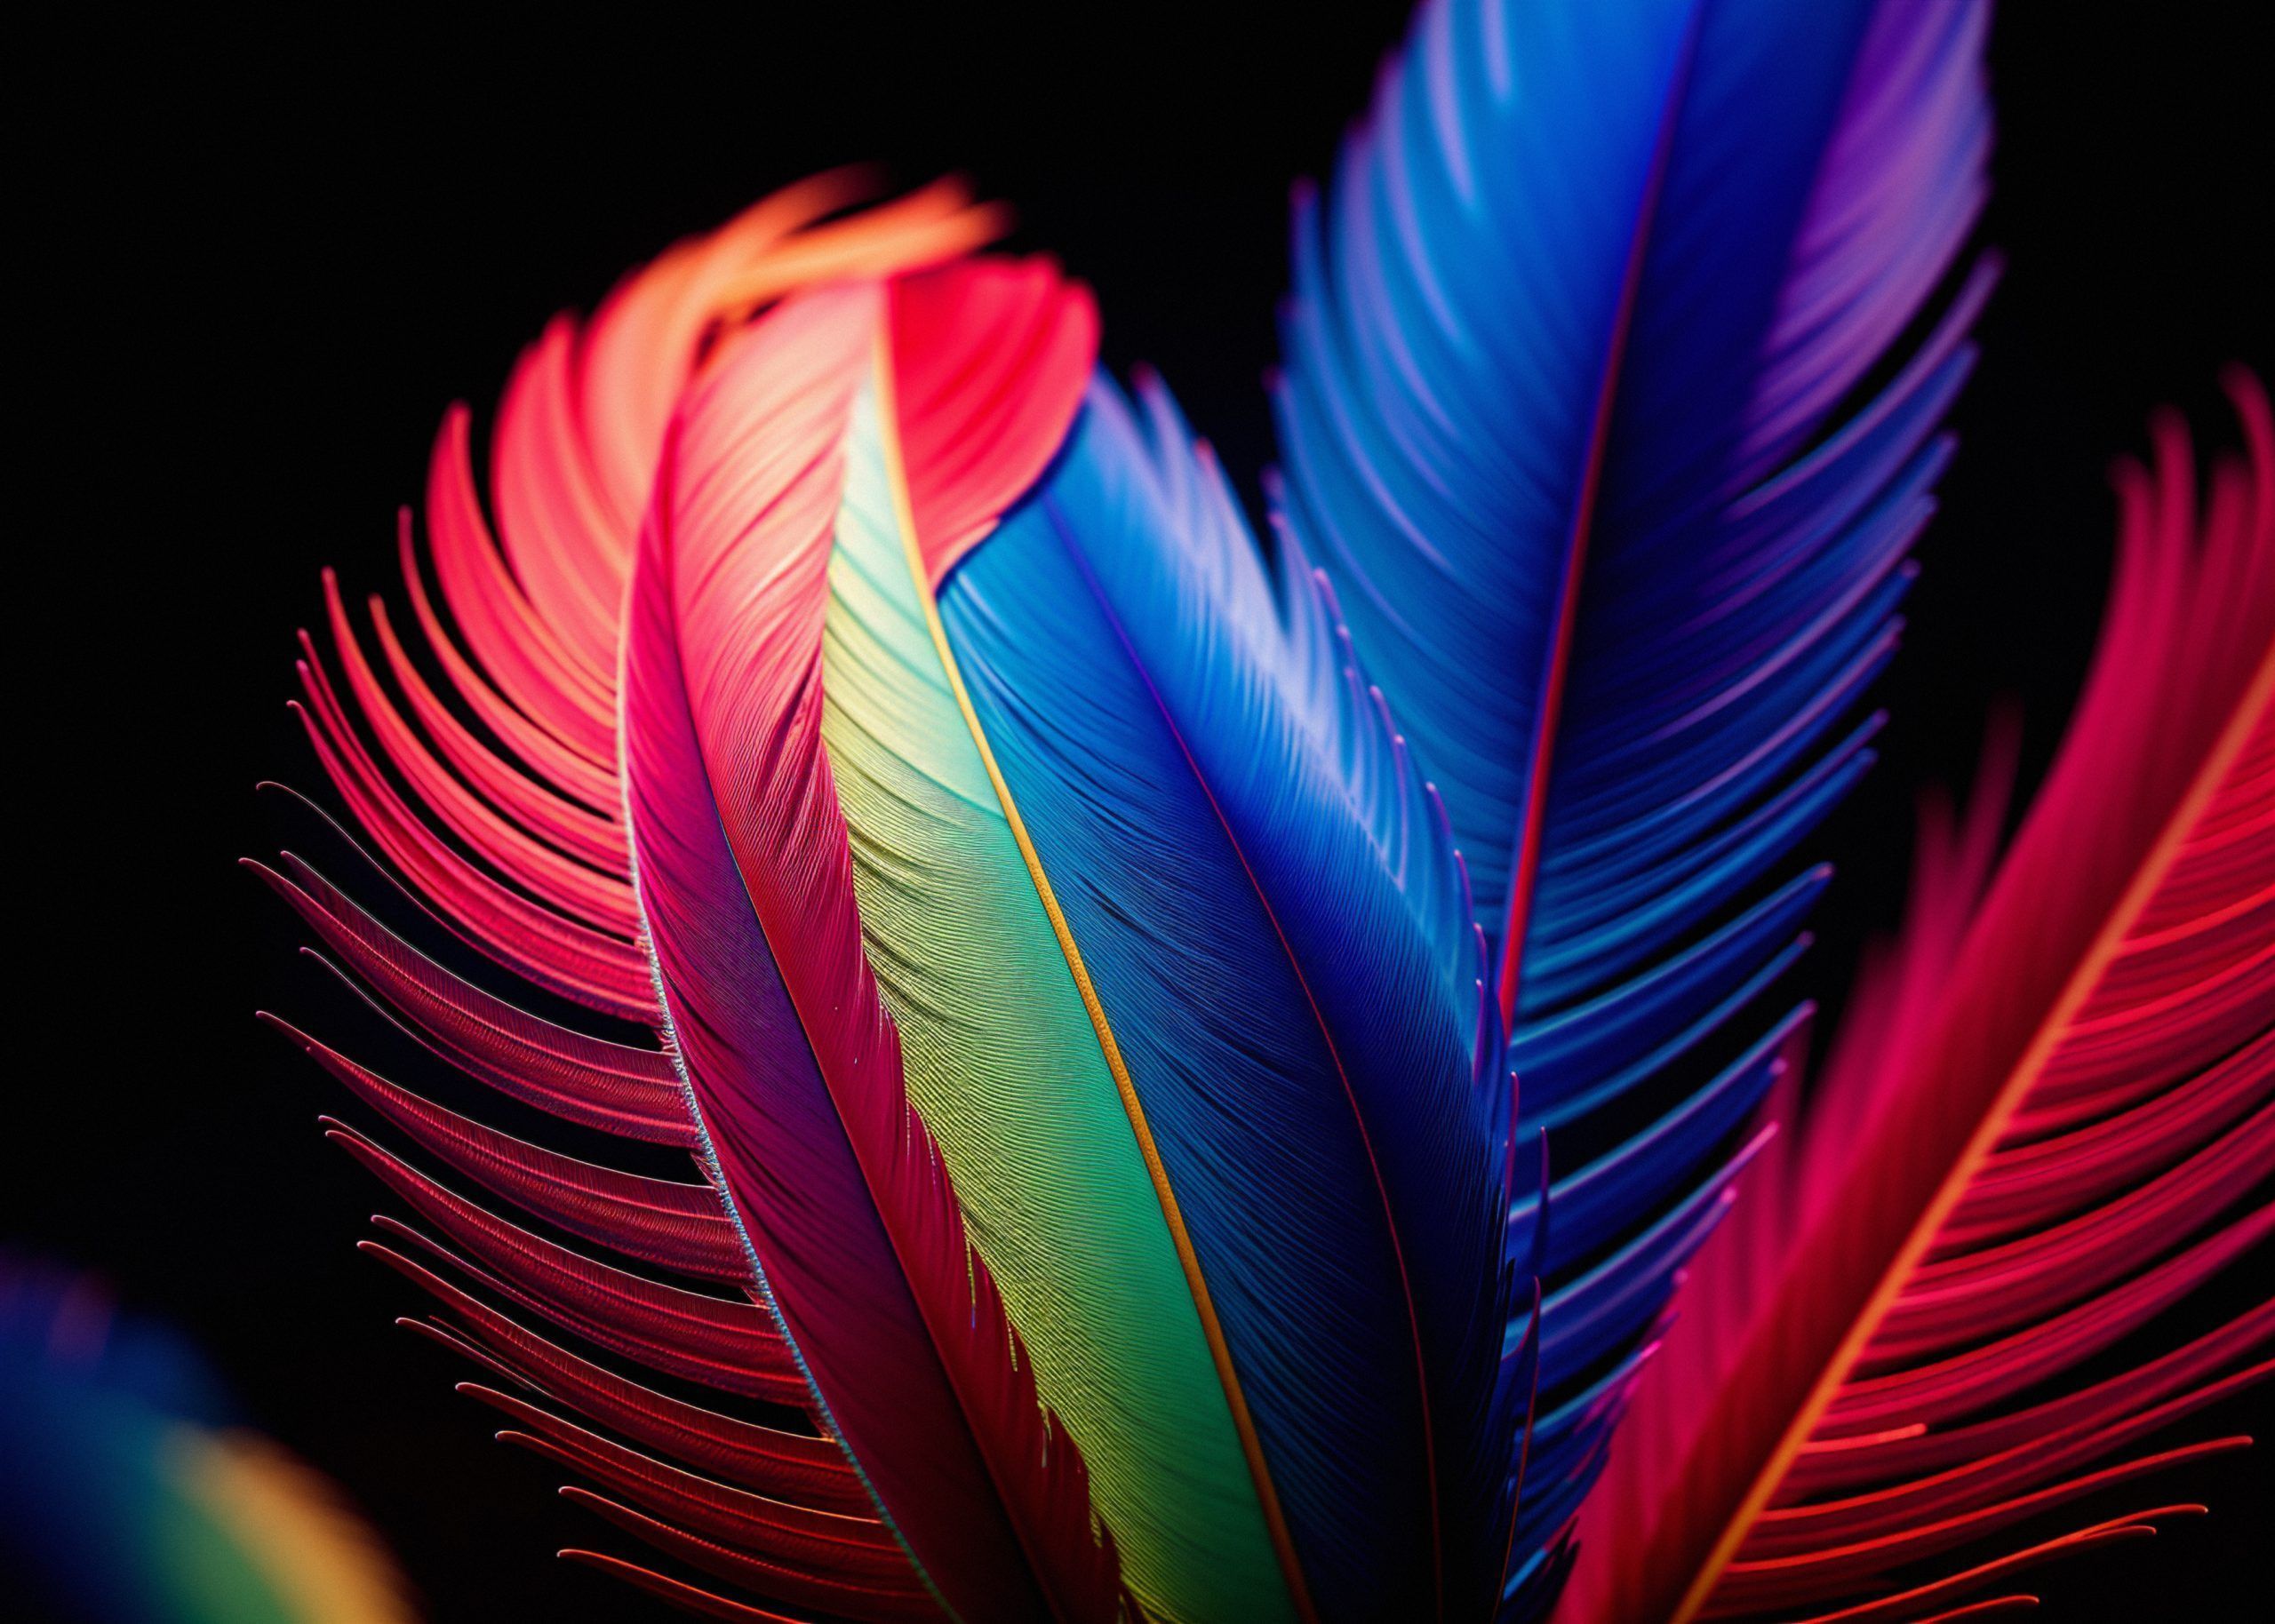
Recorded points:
(2044, 1124)
(1609, 411)
(1268, 906)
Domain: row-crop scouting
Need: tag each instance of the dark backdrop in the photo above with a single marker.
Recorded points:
(266, 259)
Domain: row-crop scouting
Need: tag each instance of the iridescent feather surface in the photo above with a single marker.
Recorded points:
(1203, 1063)
(1577, 416)
(1100, 1116)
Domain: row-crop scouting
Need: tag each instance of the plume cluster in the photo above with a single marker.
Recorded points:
(1229, 1078)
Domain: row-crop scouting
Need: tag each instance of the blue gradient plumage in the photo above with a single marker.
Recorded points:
(1614, 361)
(1298, 990)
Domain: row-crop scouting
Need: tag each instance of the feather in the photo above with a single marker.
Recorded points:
(2044, 1122)
(1610, 410)
(793, 1060)
(523, 852)
(1269, 911)
(945, 840)
(133, 1495)
(976, 1140)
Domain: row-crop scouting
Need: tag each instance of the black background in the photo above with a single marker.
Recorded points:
(265, 259)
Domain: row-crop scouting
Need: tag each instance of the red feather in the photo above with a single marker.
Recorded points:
(2035, 1129)
(989, 365)
(508, 827)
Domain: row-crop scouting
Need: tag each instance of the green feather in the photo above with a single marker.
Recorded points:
(1011, 1075)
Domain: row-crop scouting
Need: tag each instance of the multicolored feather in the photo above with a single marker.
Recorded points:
(948, 835)
(133, 1495)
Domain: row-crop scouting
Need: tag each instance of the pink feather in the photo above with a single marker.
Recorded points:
(2061, 1074)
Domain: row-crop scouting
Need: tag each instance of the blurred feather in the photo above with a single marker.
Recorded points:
(132, 1496)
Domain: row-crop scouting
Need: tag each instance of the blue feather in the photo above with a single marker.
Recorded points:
(1272, 913)
(1575, 417)
(1594, 1203)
